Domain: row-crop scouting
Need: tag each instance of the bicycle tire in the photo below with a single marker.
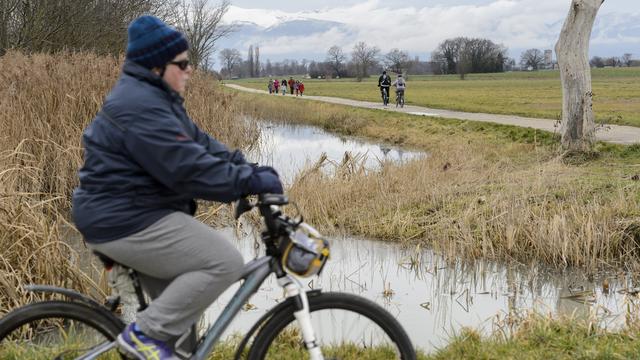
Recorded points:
(100, 320)
(334, 301)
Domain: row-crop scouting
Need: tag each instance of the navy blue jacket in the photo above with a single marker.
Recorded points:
(145, 158)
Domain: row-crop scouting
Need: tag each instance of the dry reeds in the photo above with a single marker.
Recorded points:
(479, 208)
(45, 103)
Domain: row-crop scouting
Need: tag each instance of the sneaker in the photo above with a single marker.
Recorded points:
(134, 343)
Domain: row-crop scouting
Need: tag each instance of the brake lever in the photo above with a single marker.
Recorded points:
(300, 219)
(242, 206)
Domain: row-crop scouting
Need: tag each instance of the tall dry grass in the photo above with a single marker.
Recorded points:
(477, 208)
(45, 103)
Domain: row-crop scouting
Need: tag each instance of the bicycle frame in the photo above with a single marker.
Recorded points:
(385, 93)
(399, 96)
(254, 274)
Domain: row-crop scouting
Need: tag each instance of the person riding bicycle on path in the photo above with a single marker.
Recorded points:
(384, 82)
(400, 85)
(145, 161)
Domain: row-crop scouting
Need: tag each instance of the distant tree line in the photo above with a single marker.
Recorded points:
(100, 26)
(362, 61)
(453, 56)
(614, 61)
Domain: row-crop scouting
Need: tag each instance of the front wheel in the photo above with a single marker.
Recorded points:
(346, 327)
(57, 330)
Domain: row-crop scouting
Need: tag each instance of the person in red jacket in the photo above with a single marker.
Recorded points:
(301, 88)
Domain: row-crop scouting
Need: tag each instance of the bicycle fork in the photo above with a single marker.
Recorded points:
(302, 315)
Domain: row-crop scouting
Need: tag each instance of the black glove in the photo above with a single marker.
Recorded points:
(264, 182)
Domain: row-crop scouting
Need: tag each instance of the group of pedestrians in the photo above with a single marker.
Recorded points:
(276, 86)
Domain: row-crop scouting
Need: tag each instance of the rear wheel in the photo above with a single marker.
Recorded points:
(346, 327)
(57, 330)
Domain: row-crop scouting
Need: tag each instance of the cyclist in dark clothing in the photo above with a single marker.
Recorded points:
(384, 83)
(145, 161)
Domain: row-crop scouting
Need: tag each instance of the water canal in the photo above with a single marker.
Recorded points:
(432, 298)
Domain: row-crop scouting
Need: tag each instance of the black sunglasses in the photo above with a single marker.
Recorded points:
(182, 64)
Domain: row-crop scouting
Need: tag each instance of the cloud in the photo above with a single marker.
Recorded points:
(518, 24)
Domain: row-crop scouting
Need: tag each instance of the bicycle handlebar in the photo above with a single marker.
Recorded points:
(267, 204)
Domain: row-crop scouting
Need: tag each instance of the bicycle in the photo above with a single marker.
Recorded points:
(400, 98)
(302, 321)
(385, 95)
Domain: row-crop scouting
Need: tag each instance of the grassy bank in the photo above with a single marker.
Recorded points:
(484, 190)
(540, 337)
(534, 94)
(45, 102)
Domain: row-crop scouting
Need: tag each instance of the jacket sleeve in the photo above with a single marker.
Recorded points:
(157, 142)
(216, 148)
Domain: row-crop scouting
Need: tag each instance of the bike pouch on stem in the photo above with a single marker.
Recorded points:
(304, 252)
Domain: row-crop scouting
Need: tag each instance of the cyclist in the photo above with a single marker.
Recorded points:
(384, 82)
(145, 161)
(400, 85)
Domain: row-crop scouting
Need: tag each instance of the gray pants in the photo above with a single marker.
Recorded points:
(184, 265)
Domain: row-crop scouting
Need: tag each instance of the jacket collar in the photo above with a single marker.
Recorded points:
(142, 73)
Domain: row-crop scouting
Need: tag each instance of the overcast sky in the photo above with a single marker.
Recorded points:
(418, 26)
(310, 5)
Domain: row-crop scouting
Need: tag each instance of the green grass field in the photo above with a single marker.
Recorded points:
(533, 94)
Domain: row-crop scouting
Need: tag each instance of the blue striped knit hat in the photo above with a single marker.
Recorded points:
(152, 43)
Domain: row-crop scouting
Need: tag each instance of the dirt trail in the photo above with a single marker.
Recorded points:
(610, 133)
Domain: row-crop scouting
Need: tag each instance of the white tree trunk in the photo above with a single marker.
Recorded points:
(572, 50)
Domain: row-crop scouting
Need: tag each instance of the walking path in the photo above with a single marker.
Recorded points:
(610, 133)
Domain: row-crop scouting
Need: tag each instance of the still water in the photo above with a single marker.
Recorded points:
(432, 298)
(291, 148)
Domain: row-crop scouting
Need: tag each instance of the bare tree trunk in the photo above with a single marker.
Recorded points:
(572, 50)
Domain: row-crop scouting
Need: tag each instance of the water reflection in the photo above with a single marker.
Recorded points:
(432, 297)
(289, 148)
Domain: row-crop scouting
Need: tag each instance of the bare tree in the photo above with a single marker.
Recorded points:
(597, 61)
(464, 63)
(336, 59)
(364, 57)
(202, 24)
(230, 59)
(572, 49)
(43, 25)
(613, 61)
(627, 59)
(7, 12)
(448, 54)
(256, 61)
(463, 55)
(533, 58)
(250, 60)
(397, 60)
